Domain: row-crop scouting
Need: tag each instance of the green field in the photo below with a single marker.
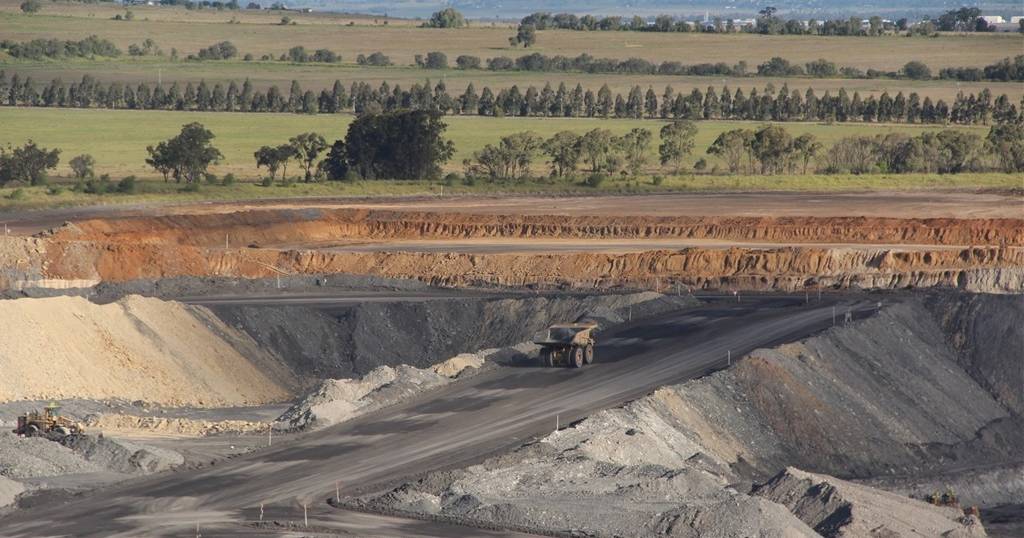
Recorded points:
(118, 138)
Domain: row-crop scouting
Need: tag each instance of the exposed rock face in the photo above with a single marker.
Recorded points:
(969, 254)
(836, 508)
(982, 269)
(987, 332)
(288, 226)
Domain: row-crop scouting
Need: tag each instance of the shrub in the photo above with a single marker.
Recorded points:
(191, 187)
(229, 179)
(267, 181)
(450, 179)
(700, 165)
(658, 180)
(212, 179)
(127, 185)
(917, 71)
(17, 194)
(55, 190)
(595, 180)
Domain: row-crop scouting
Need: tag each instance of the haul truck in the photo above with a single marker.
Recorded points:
(568, 344)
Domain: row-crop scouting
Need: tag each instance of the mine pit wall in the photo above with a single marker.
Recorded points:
(299, 226)
(349, 341)
(979, 269)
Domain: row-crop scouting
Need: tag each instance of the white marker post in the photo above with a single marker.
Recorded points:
(261, 511)
(337, 492)
(270, 436)
(556, 423)
(728, 357)
(305, 514)
(833, 316)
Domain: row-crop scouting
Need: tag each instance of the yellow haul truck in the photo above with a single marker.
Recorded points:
(568, 344)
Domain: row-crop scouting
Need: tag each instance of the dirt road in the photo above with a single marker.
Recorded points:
(925, 204)
(455, 425)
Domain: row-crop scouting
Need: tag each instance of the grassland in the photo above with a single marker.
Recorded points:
(118, 138)
(259, 33)
(157, 192)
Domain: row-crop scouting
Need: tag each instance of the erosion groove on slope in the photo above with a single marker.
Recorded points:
(987, 269)
(291, 226)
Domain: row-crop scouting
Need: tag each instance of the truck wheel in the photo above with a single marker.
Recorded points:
(545, 358)
(588, 354)
(63, 431)
(576, 357)
(32, 430)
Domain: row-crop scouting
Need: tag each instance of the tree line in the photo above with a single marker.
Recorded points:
(965, 19)
(767, 104)
(1004, 70)
(410, 144)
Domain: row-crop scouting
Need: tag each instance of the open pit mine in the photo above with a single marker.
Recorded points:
(377, 368)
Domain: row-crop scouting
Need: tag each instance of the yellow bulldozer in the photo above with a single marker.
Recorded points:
(47, 423)
(568, 344)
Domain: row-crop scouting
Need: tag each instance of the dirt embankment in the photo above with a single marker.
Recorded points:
(134, 349)
(284, 227)
(984, 269)
(349, 341)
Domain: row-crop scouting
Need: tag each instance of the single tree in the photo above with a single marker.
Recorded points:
(732, 146)
(635, 145)
(526, 35)
(31, 6)
(308, 147)
(446, 18)
(27, 164)
(676, 143)
(186, 156)
(82, 166)
(563, 150)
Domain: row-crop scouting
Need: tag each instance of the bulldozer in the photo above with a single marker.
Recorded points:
(567, 344)
(48, 423)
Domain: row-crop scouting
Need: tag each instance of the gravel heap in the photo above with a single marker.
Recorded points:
(337, 400)
(840, 508)
(880, 397)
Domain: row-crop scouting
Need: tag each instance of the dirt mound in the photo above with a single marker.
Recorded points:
(122, 456)
(31, 457)
(539, 489)
(135, 349)
(9, 491)
(337, 400)
(135, 425)
(836, 508)
(282, 226)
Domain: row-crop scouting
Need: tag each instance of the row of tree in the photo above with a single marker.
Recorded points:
(965, 19)
(767, 104)
(410, 144)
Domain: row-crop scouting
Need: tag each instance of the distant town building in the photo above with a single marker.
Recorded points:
(993, 19)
